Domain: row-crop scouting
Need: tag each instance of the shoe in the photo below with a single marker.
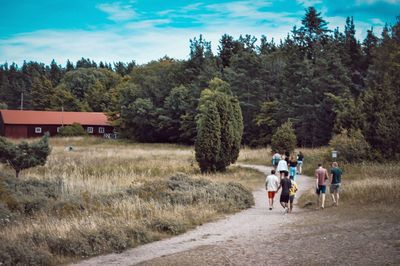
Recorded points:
(270, 208)
(322, 207)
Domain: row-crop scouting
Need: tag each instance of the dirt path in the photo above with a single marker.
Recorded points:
(239, 239)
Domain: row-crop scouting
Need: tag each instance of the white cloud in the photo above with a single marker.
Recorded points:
(308, 3)
(146, 24)
(370, 2)
(117, 12)
(377, 21)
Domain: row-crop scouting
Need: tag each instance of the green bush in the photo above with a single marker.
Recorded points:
(219, 128)
(351, 146)
(24, 155)
(284, 139)
(72, 130)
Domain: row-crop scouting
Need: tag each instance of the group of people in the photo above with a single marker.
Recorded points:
(287, 166)
(321, 178)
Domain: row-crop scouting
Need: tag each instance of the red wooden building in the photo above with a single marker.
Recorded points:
(27, 124)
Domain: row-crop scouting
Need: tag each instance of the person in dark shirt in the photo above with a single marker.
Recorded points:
(300, 158)
(336, 180)
(285, 184)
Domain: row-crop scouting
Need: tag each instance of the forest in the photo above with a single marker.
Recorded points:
(323, 80)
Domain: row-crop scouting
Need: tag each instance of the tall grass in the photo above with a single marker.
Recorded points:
(362, 183)
(106, 196)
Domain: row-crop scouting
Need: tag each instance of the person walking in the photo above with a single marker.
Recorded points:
(292, 193)
(336, 179)
(292, 168)
(275, 159)
(300, 158)
(282, 167)
(285, 185)
(271, 185)
(321, 175)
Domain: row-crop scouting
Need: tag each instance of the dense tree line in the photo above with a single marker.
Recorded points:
(322, 79)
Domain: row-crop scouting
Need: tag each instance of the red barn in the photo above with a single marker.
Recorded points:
(27, 124)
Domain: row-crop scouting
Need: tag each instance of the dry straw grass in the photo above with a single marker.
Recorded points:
(96, 208)
(362, 183)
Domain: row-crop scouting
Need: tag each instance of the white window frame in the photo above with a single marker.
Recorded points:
(101, 130)
(89, 130)
(38, 130)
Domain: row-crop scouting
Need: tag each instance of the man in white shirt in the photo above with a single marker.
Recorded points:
(271, 185)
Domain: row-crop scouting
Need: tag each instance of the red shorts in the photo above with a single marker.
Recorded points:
(271, 194)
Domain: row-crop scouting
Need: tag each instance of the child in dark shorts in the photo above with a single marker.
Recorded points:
(285, 185)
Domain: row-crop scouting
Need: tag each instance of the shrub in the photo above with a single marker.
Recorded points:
(284, 139)
(219, 128)
(24, 155)
(351, 146)
(73, 130)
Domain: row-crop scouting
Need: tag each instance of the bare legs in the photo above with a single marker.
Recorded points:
(335, 198)
(322, 196)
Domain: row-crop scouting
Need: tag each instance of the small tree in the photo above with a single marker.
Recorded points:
(219, 126)
(351, 146)
(24, 155)
(284, 138)
(208, 141)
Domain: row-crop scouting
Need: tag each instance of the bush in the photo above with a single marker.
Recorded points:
(24, 155)
(284, 139)
(351, 146)
(219, 128)
(72, 130)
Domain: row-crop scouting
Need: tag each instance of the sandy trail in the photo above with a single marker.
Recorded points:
(237, 239)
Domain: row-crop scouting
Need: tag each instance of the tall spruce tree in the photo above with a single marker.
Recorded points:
(382, 98)
(230, 127)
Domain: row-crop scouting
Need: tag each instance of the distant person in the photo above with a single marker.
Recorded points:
(300, 159)
(282, 167)
(321, 175)
(292, 193)
(275, 159)
(271, 185)
(285, 184)
(292, 167)
(287, 155)
(336, 179)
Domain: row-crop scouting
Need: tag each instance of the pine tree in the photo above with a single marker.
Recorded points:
(382, 98)
(230, 124)
(284, 139)
(24, 155)
(208, 141)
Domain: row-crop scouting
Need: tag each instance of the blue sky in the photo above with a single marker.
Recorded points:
(145, 30)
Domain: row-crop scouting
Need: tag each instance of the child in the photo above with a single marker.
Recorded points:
(285, 185)
(292, 192)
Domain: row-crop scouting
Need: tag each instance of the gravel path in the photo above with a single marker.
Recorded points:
(236, 240)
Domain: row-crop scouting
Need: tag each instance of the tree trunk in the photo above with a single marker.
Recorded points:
(17, 173)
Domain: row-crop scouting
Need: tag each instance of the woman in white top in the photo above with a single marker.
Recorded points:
(282, 167)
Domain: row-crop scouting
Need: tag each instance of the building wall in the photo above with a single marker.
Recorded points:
(1, 126)
(15, 131)
(52, 129)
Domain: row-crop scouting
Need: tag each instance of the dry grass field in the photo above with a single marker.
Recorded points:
(105, 196)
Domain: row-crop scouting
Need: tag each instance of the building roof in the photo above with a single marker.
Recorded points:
(18, 117)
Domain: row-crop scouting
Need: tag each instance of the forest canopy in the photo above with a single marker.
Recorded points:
(323, 80)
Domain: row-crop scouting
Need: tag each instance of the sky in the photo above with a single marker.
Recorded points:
(146, 30)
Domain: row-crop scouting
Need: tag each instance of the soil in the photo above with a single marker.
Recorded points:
(257, 236)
